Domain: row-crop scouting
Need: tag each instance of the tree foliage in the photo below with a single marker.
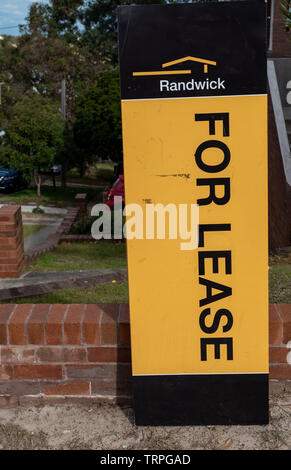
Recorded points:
(53, 19)
(75, 40)
(99, 18)
(97, 127)
(33, 136)
(286, 9)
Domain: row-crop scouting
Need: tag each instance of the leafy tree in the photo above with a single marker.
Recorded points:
(47, 52)
(45, 61)
(99, 18)
(286, 9)
(55, 18)
(8, 62)
(32, 137)
(97, 127)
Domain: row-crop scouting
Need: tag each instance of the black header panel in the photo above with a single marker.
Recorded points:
(186, 50)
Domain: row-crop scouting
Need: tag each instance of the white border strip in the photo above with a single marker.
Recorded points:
(191, 97)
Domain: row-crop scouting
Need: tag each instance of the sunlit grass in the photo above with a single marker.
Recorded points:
(82, 256)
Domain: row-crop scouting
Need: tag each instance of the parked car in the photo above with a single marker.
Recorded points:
(12, 180)
(55, 169)
(116, 190)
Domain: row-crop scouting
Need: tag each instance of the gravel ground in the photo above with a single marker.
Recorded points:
(109, 427)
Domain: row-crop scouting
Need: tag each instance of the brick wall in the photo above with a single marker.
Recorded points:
(60, 353)
(280, 341)
(52, 353)
(11, 241)
(82, 203)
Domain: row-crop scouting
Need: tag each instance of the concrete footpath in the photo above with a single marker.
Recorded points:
(38, 238)
(101, 426)
(26, 208)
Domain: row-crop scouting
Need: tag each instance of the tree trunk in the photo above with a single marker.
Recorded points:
(38, 185)
(54, 180)
(37, 178)
(64, 174)
(82, 168)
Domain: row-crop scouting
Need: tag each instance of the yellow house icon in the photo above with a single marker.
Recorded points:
(205, 63)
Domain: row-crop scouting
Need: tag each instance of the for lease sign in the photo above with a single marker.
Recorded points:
(194, 114)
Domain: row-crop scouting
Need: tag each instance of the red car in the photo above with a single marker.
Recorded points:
(116, 190)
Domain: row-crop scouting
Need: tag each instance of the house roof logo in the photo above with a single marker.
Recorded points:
(204, 62)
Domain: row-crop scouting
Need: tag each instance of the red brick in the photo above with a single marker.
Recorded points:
(275, 324)
(54, 400)
(9, 233)
(90, 325)
(61, 354)
(108, 354)
(8, 225)
(17, 354)
(10, 260)
(30, 400)
(17, 333)
(6, 372)
(71, 388)
(36, 324)
(6, 217)
(124, 326)
(10, 268)
(19, 387)
(11, 254)
(10, 209)
(109, 324)
(99, 371)
(280, 371)
(54, 324)
(72, 324)
(111, 386)
(285, 313)
(8, 401)
(5, 312)
(9, 243)
(38, 371)
(278, 354)
(10, 274)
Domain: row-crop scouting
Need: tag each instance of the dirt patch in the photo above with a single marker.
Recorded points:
(105, 427)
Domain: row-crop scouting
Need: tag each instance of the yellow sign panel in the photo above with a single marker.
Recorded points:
(200, 311)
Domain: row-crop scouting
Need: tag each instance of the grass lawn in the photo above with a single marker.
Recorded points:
(101, 293)
(29, 229)
(280, 278)
(80, 256)
(61, 197)
(99, 174)
(107, 255)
